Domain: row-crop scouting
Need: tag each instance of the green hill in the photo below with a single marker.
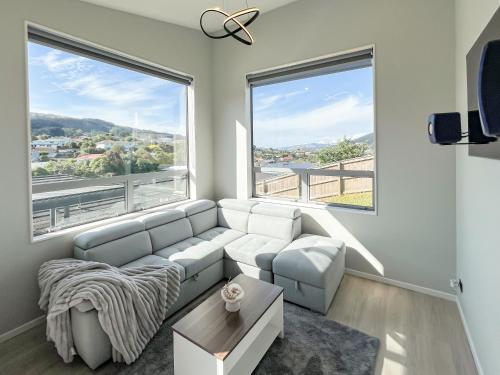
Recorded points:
(59, 126)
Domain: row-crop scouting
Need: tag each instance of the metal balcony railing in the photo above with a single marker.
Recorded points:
(55, 200)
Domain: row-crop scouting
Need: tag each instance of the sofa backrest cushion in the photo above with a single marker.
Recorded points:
(236, 204)
(197, 206)
(276, 221)
(276, 210)
(170, 233)
(160, 218)
(106, 233)
(234, 213)
(202, 214)
(115, 244)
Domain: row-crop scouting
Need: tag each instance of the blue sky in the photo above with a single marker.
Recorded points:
(67, 84)
(313, 110)
(320, 109)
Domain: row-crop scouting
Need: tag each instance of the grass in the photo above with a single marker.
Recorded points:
(355, 199)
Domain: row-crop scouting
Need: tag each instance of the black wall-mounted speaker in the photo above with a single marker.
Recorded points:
(444, 128)
(489, 88)
(476, 131)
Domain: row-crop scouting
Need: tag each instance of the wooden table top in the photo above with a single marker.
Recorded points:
(217, 331)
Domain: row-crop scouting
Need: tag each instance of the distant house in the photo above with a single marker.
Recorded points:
(35, 155)
(52, 143)
(89, 157)
(108, 144)
(105, 145)
(37, 152)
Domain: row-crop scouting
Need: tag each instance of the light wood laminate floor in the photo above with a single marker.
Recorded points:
(419, 334)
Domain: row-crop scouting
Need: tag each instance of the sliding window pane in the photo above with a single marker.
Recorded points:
(157, 191)
(61, 209)
(92, 120)
(342, 191)
(320, 120)
(275, 184)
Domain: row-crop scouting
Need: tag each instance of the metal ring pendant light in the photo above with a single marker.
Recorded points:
(232, 24)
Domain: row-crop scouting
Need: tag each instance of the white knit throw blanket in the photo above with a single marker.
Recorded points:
(131, 303)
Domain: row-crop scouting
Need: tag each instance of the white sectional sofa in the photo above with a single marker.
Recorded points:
(209, 242)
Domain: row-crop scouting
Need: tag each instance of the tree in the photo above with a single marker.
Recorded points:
(120, 132)
(40, 172)
(344, 150)
(44, 156)
(88, 147)
(164, 158)
(144, 166)
(110, 163)
(56, 132)
(118, 149)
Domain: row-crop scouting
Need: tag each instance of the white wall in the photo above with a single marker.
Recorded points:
(478, 208)
(175, 47)
(413, 235)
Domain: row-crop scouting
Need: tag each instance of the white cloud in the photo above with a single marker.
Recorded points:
(71, 73)
(55, 62)
(113, 91)
(347, 117)
(86, 89)
(261, 104)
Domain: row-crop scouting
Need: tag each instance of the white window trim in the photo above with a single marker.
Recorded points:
(126, 179)
(250, 185)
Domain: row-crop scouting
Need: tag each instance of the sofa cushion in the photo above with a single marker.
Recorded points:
(233, 219)
(168, 234)
(203, 221)
(161, 218)
(118, 252)
(233, 213)
(106, 233)
(272, 226)
(221, 235)
(308, 259)
(197, 206)
(153, 260)
(193, 254)
(255, 250)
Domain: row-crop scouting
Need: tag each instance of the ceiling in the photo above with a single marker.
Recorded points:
(184, 12)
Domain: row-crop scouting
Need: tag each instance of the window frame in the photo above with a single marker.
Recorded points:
(128, 180)
(304, 174)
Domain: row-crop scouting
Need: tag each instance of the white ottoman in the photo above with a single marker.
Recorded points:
(310, 270)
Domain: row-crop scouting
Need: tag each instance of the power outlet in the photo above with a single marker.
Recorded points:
(457, 284)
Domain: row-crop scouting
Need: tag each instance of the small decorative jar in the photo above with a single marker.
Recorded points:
(232, 294)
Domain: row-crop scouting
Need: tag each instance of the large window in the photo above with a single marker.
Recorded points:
(313, 132)
(108, 134)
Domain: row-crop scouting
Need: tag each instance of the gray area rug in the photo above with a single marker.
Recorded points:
(313, 345)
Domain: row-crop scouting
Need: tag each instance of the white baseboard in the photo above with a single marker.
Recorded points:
(402, 284)
(469, 339)
(22, 328)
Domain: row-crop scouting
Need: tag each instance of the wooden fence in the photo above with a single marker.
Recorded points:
(320, 187)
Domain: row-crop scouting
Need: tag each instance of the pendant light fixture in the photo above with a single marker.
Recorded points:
(234, 25)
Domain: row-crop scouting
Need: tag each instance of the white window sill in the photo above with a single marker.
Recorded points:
(80, 228)
(315, 206)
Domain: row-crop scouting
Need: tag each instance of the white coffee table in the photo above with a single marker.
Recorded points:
(210, 340)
